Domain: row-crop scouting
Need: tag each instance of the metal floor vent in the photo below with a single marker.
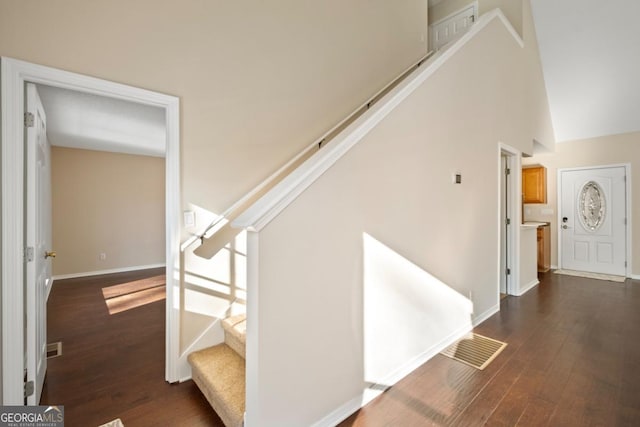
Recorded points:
(54, 349)
(475, 350)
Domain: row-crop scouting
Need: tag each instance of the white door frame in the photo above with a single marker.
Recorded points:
(473, 5)
(628, 243)
(13, 75)
(515, 195)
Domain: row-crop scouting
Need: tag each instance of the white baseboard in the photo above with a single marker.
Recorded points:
(342, 412)
(554, 267)
(484, 316)
(635, 276)
(111, 271)
(527, 287)
(345, 410)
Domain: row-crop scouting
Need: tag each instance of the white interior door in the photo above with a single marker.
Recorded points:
(449, 28)
(593, 220)
(504, 227)
(38, 242)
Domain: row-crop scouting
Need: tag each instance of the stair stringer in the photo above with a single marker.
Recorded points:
(212, 335)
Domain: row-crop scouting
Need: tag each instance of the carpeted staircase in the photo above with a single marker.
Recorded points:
(219, 372)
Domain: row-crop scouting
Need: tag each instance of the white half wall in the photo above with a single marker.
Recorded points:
(310, 286)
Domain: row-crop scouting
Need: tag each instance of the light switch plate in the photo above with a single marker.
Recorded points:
(189, 219)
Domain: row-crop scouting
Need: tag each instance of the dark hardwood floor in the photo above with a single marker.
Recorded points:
(112, 366)
(573, 359)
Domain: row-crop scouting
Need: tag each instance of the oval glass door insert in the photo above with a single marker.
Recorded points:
(591, 206)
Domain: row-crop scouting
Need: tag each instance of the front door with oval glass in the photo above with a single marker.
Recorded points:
(593, 220)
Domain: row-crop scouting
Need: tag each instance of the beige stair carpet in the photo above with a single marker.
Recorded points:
(235, 333)
(219, 372)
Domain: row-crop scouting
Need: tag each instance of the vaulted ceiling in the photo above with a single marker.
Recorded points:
(590, 53)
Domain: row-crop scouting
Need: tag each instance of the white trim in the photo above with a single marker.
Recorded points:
(473, 5)
(110, 271)
(280, 196)
(514, 163)
(12, 237)
(526, 288)
(629, 212)
(432, 27)
(343, 411)
(477, 320)
(635, 277)
(13, 76)
(252, 360)
(346, 409)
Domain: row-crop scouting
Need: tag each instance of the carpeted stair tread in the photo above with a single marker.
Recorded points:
(219, 372)
(235, 333)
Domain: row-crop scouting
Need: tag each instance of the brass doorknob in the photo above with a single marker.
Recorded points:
(51, 254)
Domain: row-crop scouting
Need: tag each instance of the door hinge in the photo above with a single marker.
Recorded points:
(28, 388)
(507, 171)
(507, 221)
(508, 272)
(28, 120)
(625, 264)
(472, 18)
(28, 254)
(625, 221)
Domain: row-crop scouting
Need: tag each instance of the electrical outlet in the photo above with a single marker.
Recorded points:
(102, 256)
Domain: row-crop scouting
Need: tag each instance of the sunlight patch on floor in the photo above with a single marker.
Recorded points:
(137, 293)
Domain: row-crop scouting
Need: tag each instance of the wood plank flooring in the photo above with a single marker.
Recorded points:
(573, 359)
(112, 366)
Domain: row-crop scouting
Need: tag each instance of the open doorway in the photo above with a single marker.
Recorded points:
(15, 75)
(95, 193)
(508, 219)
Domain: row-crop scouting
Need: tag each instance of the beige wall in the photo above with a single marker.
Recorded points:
(394, 188)
(511, 8)
(106, 203)
(538, 113)
(607, 150)
(257, 80)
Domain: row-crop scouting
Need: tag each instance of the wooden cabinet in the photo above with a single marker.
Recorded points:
(544, 248)
(534, 184)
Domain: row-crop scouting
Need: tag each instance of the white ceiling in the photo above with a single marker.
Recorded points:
(590, 52)
(92, 122)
